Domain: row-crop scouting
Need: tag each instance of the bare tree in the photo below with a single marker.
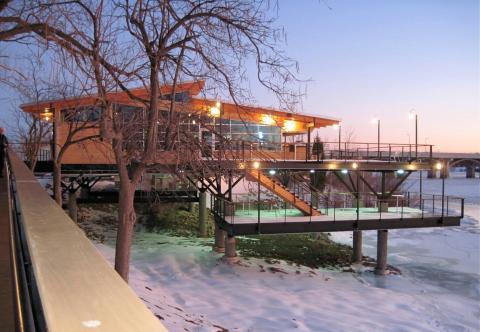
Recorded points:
(30, 131)
(151, 44)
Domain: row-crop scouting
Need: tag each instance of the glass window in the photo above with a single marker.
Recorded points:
(82, 114)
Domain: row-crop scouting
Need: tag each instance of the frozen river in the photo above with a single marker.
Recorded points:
(186, 285)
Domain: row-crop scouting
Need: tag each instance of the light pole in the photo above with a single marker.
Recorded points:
(376, 120)
(339, 128)
(413, 115)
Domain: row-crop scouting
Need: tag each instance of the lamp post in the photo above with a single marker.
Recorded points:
(376, 120)
(413, 115)
(339, 128)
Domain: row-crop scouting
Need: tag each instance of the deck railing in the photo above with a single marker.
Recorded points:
(299, 151)
(340, 206)
(63, 283)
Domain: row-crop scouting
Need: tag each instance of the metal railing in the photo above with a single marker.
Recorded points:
(300, 151)
(342, 206)
(20, 149)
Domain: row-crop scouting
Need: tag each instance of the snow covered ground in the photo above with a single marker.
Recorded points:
(190, 289)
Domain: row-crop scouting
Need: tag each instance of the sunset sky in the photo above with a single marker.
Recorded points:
(385, 58)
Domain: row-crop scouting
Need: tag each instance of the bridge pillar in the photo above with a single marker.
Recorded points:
(470, 171)
(431, 174)
(382, 239)
(72, 205)
(357, 247)
(202, 214)
(231, 249)
(219, 245)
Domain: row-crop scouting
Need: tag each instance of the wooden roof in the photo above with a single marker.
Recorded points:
(297, 122)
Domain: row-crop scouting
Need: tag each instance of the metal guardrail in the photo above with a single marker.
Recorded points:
(63, 283)
(299, 151)
(43, 154)
(406, 205)
(334, 151)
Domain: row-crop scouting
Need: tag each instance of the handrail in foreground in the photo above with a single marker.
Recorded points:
(65, 284)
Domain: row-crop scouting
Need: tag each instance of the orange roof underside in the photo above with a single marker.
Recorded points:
(202, 106)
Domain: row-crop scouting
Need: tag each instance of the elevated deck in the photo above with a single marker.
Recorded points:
(429, 212)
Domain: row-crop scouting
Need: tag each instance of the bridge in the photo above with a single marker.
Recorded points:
(471, 162)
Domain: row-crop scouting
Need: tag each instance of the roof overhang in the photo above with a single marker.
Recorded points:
(291, 122)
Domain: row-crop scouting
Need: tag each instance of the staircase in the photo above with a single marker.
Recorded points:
(281, 191)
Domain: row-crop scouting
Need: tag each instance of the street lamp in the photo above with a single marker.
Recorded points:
(413, 115)
(376, 120)
(339, 128)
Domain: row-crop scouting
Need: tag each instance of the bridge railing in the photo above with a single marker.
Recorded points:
(64, 283)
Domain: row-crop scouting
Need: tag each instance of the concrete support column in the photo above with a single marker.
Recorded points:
(383, 207)
(470, 170)
(357, 247)
(72, 205)
(219, 245)
(231, 249)
(382, 240)
(202, 214)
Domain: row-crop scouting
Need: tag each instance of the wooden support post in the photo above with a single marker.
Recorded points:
(382, 240)
(357, 247)
(202, 214)
(231, 249)
(219, 245)
(72, 205)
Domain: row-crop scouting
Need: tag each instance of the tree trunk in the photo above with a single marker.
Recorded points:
(126, 223)
(57, 182)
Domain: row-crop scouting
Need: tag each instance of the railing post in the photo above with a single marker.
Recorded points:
(447, 206)
(433, 205)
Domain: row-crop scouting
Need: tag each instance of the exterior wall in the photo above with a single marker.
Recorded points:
(98, 152)
(87, 152)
